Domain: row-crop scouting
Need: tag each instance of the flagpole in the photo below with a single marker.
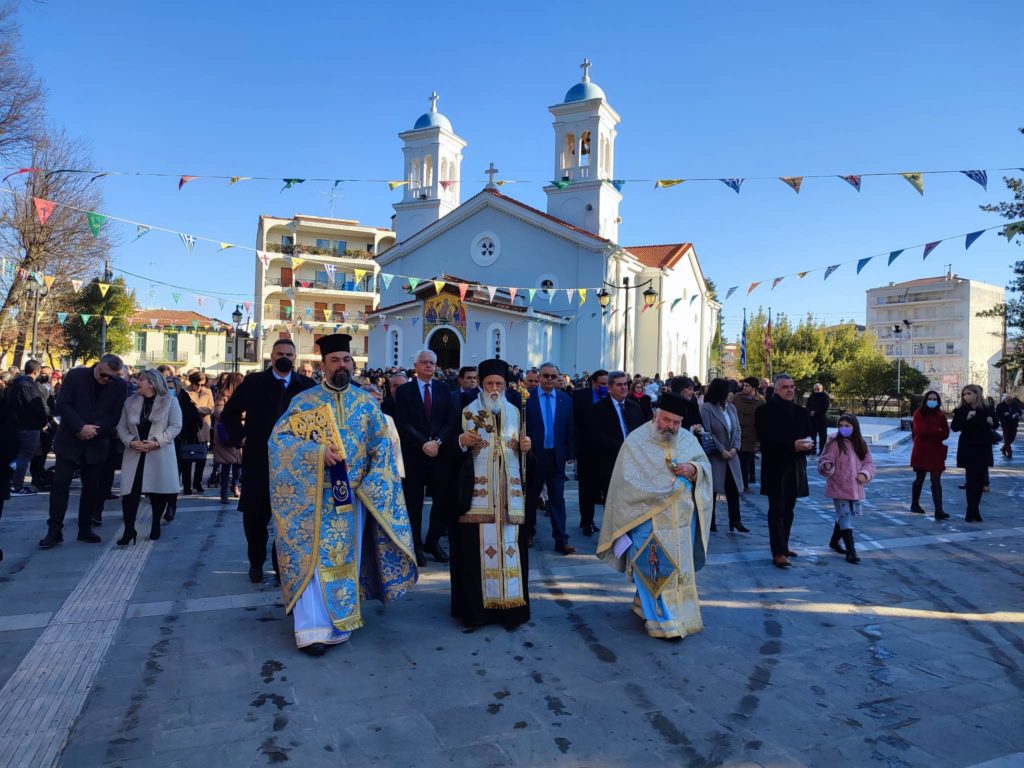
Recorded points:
(769, 350)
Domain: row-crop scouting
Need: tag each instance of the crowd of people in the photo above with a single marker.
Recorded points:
(490, 446)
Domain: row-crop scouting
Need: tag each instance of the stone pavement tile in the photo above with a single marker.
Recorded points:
(461, 726)
(483, 755)
(881, 748)
(957, 741)
(396, 733)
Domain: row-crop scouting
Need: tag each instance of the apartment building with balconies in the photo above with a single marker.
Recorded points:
(316, 276)
(932, 324)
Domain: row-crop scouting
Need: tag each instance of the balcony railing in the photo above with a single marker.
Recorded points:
(363, 286)
(312, 250)
(582, 173)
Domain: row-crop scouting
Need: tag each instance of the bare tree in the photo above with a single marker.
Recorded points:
(21, 95)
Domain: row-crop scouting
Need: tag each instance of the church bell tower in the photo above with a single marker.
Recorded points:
(583, 190)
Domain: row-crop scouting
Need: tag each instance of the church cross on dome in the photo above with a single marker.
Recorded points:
(491, 172)
(585, 66)
(433, 101)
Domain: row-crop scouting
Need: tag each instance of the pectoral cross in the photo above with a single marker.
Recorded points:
(491, 172)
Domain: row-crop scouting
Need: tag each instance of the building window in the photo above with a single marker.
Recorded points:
(340, 246)
(140, 342)
(949, 347)
(171, 346)
(323, 244)
(287, 240)
(585, 148)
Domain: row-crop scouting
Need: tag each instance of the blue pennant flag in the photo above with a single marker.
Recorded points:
(863, 263)
(733, 184)
(618, 184)
(972, 237)
(893, 256)
(929, 247)
(830, 270)
(979, 176)
(730, 292)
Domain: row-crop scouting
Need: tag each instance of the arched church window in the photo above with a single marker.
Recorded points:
(585, 148)
(414, 173)
(428, 171)
(569, 153)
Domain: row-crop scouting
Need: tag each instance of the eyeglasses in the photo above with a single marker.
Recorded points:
(549, 375)
(102, 375)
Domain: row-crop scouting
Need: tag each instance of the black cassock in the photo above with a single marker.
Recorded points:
(464, 553)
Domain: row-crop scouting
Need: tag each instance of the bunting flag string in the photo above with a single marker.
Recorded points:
(104, 287)
(185, 180)
(140, 230)
(96, 222)
(979, 176)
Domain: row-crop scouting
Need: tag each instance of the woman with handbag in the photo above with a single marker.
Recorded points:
(976, 424)
(226, 457)
(150, 420)
(202, 399)
(928, 456)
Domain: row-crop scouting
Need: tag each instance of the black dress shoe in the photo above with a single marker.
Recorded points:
(588, 530)
(97, 522)
(421, 561)
(51, 540)
(565, 549)
(256, 574)
(738, 527)
(437, 552)
(89, 537)
(316, 649)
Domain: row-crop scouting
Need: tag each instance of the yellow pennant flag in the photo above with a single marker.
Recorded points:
(104, 287)
(235, 179)
(327, 314)
(793, 181)
(225, 246)
(583, 295)
(360, 274)
(801, 275)
(39, 314)
(393, 185)
(916, 180)
(108, 319)
(438, 285)
(662, 183)
(297, 262)
(48, 280)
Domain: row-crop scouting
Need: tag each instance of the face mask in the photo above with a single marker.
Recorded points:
(602, 391)
(43, 379)
(932, 403)
(282, 365)
(846, 431)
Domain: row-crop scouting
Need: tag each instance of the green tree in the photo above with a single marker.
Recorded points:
(90, 308)
(872, 380)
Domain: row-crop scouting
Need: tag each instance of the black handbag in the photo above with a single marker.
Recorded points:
(192, 451)
(707, 442)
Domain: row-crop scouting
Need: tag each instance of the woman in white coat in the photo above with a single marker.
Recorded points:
(149, 423)
(721, 420)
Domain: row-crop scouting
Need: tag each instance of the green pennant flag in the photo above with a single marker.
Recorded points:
(561, 184)
(532, 292)
(176, 297)
(673, 304)
(96, 222)
(413, 282)
(1012, 230)
(289, 183)
(195, 325)
(86, 319)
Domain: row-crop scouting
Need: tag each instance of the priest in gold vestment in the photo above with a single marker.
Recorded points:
(487, 536)
(657, 518)
(343, 532)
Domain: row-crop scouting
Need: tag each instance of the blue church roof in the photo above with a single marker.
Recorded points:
(584, 92)
(433, 120)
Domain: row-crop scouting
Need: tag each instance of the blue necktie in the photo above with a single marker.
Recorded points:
(549, 427)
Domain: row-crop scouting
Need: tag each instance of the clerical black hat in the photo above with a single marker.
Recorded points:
(336, 342)
(492, 367)
(673, 404)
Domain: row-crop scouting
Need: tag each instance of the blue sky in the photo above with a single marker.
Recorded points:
(704, 90)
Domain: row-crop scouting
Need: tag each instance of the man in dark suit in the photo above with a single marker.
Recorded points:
(818, 403)
(89, 406)
(260, 400)
(583, 401)
(388, 405)
(425, 417)
(550, 427)
(612, 419)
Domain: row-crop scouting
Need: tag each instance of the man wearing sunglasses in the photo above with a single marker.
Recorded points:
(89, 406)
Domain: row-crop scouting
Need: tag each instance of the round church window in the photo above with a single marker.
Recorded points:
(485, 249)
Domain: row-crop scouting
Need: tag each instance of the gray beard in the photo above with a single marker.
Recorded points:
(667, 436)
(340, 379)
(493, 405)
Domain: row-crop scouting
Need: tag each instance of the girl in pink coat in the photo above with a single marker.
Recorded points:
(847, 466)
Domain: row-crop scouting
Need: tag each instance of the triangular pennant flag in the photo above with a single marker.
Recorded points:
(195, 325)
(76, 285)
(225, 246)
(236, 179)
(104, 287)
(61, 317)
(512, 295)
(327, 314)
(853, 181)
(96, 222)
(296, 262)
(446, 184)
(569, 293)
(863, 263)
(386, 279)
(733, 184)
(108, 319)
(359, 273)
(802, 275)
(1010, 231)
(309, 311)
(979, 176)
(776, 281)
(413, 282)
(199, 300)
(18, 172)
(393, 185)
(830, 270)
(188, 241)
(140, 230)
(894, 255)
(531, 292)
(48, 280)
(477, 324)
(289, 183)
(86, 319)
(264, 258)
(753, 286)
(176, 297)
(583, 295)
(731, 291)
(693, 298)
(916, 180)
(929, 248)
(185, 180)
(215, 325)
(618, 184)
(561, 184)
(44, 209)
(247, 305)
(152, 322)
(969, 241)
(491, 290)
(221, 302)
(643, 309)
(793, 181)
(551, 297)
(463, 288)
(674, 303)
(663, 183)
(288, 311)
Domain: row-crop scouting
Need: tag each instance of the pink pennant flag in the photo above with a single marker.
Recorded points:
(19, 172)
(446, 184)
(463, 287)
(929, 247)
(776, 281)
(853, 181)
(247, 305)
(752, 287)
(512, 295)
(44, 209)
(185, 180)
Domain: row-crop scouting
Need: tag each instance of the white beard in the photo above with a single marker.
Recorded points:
(493, 402)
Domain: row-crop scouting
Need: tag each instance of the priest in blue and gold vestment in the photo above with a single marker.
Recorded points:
(343, 532)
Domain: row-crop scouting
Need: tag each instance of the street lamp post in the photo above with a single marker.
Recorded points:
(898, 330)
(604, 298)
(39, 290)
(107, 277)
(236, 318)
(74, 350)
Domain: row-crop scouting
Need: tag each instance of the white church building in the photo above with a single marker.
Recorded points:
(526, 285)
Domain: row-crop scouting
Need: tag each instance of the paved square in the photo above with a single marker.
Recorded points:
(164, 654)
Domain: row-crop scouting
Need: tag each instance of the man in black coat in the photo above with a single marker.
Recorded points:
(425, 417)
(89, 406)
(388, 404)
(818, 403)
(261, 399)
(784, 431)
(25, 399)
(590, 490)
(611, 421)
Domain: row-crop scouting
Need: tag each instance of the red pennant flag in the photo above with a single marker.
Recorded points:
(463, 287)
(44, 209)
(17, 172)
(247, 305)
(185, 180)
(512, 295)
